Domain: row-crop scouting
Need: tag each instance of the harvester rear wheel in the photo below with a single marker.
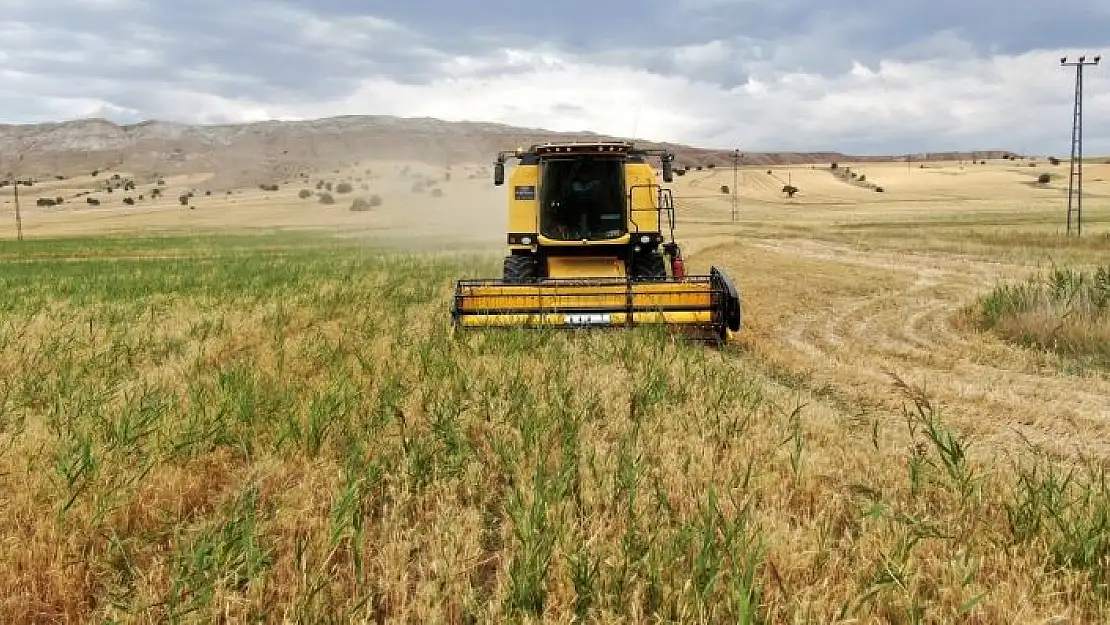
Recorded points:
(519, 269)
(649, 267)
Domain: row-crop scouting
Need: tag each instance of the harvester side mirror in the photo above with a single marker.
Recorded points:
(668, 173)
(499, 173)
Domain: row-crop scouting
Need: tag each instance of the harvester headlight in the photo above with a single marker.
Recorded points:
(645, 239)
(526, 241)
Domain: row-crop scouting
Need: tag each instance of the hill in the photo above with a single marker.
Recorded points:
(252, 153)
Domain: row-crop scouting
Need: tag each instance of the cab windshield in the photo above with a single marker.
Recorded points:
(582, 198)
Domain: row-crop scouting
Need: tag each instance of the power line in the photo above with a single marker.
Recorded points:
(1075, 177)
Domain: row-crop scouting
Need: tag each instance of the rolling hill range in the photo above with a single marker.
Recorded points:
(252, 153)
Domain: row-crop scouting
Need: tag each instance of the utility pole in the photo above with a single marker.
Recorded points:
(735, 182)
(18, 217)
(1075, 176)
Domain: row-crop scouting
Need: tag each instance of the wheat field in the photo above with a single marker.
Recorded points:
(203, 422)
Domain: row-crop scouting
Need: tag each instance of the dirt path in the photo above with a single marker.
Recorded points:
(871, 313)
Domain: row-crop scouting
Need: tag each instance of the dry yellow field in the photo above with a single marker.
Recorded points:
(287, 432)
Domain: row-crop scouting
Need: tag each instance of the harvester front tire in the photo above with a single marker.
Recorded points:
(519, 269)
(649, 267)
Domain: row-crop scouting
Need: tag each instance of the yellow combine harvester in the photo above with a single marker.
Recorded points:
(591, 244)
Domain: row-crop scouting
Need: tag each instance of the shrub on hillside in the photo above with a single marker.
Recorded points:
(878, 189)
(129, 201)
(360, 204)
(184, 199)
(1043, 179)
(343, 187)
(437, 192)
(724, 188)
(789, 190)
(1053, 160)
(304, 194)
(375, 200)
(326, 198)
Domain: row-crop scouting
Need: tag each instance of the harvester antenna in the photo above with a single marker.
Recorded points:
(1075, 177)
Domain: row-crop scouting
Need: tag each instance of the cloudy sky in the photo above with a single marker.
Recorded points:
(860, 76)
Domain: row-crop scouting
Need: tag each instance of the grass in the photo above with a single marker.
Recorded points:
(1063, 310)
(284, 429)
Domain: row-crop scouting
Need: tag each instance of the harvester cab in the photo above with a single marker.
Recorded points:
(591, 243)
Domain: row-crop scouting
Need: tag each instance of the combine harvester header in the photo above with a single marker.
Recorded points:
(591, 244)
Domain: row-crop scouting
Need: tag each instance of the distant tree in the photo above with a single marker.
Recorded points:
(208, 191)
(360, 204)
(862, 178)
(1053, 160)
(326, 198)
(95, 173)
(437, 192)
(834, 166)
(184, 199)
(790, 190)
(59, 200)
(328, 186)
(304, 194)
(1044, 179)
(724, 188)
(93, 201)
(343, 187)
(129, 201)
(878, 189)
(711, 166)
(375, 200)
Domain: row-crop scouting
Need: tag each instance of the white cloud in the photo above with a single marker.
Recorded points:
(811, 89)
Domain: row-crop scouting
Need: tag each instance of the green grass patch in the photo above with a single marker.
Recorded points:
(1064, 310)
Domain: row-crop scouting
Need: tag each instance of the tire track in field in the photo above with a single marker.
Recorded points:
(995, 391)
